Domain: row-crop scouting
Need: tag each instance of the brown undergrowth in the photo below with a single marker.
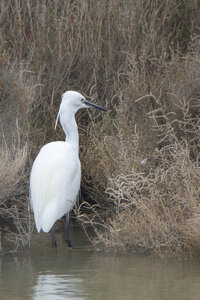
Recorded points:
(140, 60)
(17, 94)
(151, 162)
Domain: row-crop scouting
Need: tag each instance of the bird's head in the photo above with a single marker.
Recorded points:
(73, 101)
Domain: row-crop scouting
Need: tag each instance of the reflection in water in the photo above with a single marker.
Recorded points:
(82, 273)
(57, 287)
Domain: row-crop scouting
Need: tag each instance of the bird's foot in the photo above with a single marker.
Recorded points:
(54, 244)
(69, 243)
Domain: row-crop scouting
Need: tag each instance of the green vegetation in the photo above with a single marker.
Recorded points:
(141, 60)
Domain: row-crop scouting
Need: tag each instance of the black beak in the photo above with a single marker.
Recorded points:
(94, 105)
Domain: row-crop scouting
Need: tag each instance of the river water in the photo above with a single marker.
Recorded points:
(83, 273)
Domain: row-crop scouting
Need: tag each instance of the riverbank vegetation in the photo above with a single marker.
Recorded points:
(140, 161)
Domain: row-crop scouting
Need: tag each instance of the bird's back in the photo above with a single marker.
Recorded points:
(54, 183)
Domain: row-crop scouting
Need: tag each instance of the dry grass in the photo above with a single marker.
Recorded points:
(153, 206)
(135, 58)
(18, 89)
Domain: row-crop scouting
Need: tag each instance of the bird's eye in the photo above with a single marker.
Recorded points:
(82, 100)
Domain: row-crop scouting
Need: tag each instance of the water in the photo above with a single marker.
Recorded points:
(82, 273)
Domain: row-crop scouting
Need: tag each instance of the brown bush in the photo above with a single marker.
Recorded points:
(17, 94)
(131, 56)
(156, 203)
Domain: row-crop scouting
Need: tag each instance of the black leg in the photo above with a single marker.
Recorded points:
(77, 204)
(53, 241)
(67, 231)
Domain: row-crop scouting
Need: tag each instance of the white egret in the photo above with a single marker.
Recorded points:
(56, 172)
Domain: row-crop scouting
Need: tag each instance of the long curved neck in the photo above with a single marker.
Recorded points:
(70, 128)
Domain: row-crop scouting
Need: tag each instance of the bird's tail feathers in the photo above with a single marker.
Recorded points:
(38, 226)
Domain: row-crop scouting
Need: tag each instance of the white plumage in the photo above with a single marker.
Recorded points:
(56, 172)
(51, 183)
